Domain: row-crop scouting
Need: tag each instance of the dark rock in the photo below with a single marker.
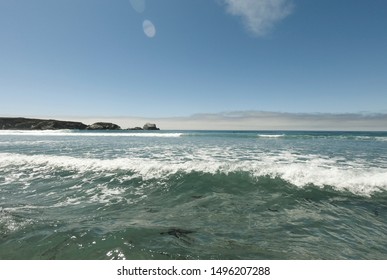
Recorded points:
(38, 124)
(150, 126)
(103, 126)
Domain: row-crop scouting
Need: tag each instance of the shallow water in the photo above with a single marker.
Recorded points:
(193, 195)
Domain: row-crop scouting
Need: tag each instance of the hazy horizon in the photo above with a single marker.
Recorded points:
(247, 120)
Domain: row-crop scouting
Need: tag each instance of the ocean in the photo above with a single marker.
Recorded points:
(193, 195)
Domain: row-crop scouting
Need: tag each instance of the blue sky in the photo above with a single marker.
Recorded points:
(180, 58)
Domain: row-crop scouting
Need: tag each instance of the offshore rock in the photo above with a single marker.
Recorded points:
(150, 126)
(103, 126)
(38, 124)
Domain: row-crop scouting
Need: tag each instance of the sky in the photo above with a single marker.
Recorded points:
(197, 63)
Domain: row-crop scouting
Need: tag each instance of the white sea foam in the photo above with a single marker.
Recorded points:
(26, 143)
(87, 133)
(9, 223)
(380, 138)
(271, 135)
(371, 138)
(35, 132)
(355, 176)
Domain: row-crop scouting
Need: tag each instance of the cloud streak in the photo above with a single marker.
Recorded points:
(259, 16)
(257, 120)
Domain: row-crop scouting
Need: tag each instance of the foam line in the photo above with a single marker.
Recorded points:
(271, 135)
(354, 177)
(86, 133)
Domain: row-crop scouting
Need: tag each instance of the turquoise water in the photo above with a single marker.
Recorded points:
(193, 195)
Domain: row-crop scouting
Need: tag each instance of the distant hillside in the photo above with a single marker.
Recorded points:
(38, 124)
(41, 124)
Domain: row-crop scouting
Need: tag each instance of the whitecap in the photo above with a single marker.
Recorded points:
(271, 135)
(354, 176)
(380, 138)
(86, 133)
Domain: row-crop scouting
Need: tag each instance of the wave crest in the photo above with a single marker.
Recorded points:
(359, 180)
(87, 133)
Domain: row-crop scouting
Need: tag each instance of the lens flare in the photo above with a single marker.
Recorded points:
(149, 28)
(138, 5)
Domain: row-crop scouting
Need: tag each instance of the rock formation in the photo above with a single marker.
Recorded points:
(103, 126)
(150, 126)
(38, 124)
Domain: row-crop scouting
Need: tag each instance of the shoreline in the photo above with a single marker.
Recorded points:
(21, 123)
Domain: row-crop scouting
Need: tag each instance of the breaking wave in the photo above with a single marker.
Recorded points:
(353, 177)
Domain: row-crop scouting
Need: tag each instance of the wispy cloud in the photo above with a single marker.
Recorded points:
(260, 120)
(256, 120)
(259, 16)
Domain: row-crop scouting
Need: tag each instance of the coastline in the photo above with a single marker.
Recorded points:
(20, 123)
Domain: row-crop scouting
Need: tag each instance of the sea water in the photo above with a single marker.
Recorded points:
(193, 195)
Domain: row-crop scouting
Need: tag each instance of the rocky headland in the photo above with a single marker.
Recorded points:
(42, 124)
(38, 124)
